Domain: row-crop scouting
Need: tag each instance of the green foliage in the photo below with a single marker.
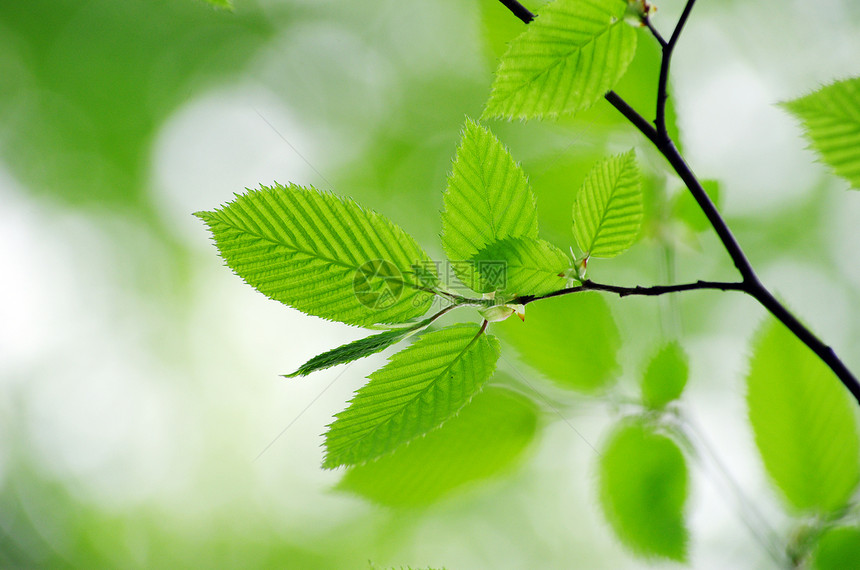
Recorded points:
(665, 377)
(323, 255)
(488, 197)
(421, 387)
(534, 267)
(838, 549)
(831, 117)
(804, 426)
(567, 59)
(608, 208)
(685, 208)
(226, 4)
(643, 488)
(352, 351)
(571, 339)
(484, 438)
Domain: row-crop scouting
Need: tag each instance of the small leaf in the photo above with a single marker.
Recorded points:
(831, 118)
(352, 351)
(803, 422)
(665, 377)
(488, 197)
(520, 266)
(643, 488)
(421, 387)
(566, 60)
(323, 255)
(487, 436)
(608, 208)
(572, 339)
(838, 549)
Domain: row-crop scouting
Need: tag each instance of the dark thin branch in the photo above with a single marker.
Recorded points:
(751, 285)
(647, 21)
(663, 84)
(518, 10)
(653, 291)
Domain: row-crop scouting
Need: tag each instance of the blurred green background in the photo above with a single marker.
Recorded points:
(143, 423)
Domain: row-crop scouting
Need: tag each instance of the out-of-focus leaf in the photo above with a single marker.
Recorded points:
(485, 437)
(803, 423)
(607, 212)
(687, 210)
(572, 339)
(567, 58)
(323, 255)
(643, 488)
(837, 549)
(227, 4)
(665, 377)
(521, 266)
(421, 387)
(831, 118)
(488, 197)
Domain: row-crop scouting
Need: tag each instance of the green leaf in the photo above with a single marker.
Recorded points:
(420, 388)
(487, 436)
(665, 377)
(643, 488)
(352, 351)
(567, 59)
(607, 212)
(831, 118)
(838, 549)
(226, 4)
(688, 211)
(323, 255)
(572, 339)
(803, 422)
(488, 197)
(520, 266)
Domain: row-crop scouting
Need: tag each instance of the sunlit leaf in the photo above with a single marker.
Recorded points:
(831, 118)
(803, 421)
(665, 377)
(643, 489)
(421, 387)
(228, 4)
(488, 197)
(566, 59)
(520, 266)
(488, 434)
(323, 255)
(608, 208)
(572, 339)
(837, 549)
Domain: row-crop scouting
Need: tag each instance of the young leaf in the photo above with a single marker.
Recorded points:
(520, 266)
(831, 117)
(607, 212)
(643, 488)
(488, 434)
(838, 549)
(571, 339)
(323, 255)
(803, 422)
(665, 377)
(352, 351)
(567, 59)
(488, 197)
(420, 388)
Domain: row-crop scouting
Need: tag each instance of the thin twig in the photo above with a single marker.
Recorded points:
(663, 83)
(638, 290)
(518, 10)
